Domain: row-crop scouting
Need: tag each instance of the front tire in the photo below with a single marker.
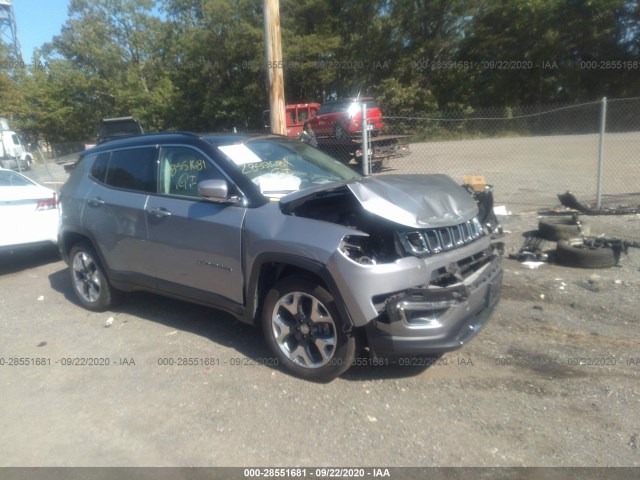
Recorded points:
(303, 328)
(88, 279)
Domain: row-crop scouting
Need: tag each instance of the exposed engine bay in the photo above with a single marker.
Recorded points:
(385, 241)
(341, 207)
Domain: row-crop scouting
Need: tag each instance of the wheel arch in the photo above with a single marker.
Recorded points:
(70, 237)
(269, 269)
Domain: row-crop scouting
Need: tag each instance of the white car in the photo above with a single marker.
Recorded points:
(28, 212)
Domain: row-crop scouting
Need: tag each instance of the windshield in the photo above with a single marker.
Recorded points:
(279, 166)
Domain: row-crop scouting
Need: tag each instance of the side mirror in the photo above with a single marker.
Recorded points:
(216, 191)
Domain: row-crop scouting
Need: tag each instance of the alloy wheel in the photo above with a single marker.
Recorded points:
(86, 277)
(304, 330)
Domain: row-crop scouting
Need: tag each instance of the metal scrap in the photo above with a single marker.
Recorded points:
(531, 250)
(569, 200)
(619, 245)
(486, 214)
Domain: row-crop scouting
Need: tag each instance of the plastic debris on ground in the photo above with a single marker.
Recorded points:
(569, 200)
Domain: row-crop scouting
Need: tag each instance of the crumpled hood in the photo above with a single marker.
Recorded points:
(417, 201)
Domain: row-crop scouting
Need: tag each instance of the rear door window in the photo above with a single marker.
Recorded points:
(133, 169)
(99, 167)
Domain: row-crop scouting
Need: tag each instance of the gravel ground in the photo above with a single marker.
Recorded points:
(553, 380)
(528, 172)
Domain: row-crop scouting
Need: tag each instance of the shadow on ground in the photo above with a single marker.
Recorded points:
(225, 330)
(24, 259)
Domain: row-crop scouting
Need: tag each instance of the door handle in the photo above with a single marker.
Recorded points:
(96, 201)
(160, 212)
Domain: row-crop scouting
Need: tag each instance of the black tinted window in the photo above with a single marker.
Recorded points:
(326, 108)
(99, 167)
(133, 169)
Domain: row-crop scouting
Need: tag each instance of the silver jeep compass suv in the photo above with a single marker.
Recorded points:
(277, 233)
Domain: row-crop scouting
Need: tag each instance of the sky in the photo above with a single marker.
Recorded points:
(37, 22)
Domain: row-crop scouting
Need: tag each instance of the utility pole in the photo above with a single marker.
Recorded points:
(274, 64)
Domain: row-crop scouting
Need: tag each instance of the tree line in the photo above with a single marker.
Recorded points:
(199, 64)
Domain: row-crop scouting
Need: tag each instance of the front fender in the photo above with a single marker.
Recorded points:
(291, 261)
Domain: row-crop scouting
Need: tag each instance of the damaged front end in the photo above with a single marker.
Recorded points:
(434, 318)
(418, 272)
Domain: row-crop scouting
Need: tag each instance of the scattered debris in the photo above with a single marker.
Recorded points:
(574, 248)
(108, 323)
(532, 264)
(565, 228)
(588, 286)
(531, 250)
(502, 210)
(41, 298)
(569, 200)
(595, 279)
(41, 344)
(483, 195)
(474, 183)
(588, 253)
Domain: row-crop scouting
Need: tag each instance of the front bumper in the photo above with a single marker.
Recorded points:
(436, 320)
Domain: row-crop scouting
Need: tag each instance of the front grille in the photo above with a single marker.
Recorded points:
(432, 241)
(459, 271)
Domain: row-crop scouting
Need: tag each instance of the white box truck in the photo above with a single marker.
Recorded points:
(12, 154)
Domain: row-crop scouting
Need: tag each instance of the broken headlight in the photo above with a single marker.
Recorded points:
(358, 249)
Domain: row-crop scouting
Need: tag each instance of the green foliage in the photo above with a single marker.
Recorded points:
(555, 37)
(214, 54)
(107, 61)
(199, 64)
(12, 102)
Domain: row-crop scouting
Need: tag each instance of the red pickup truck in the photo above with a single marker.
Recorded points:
(342, 119)
(296, 115)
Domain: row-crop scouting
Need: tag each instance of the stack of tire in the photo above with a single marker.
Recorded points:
(574, 250)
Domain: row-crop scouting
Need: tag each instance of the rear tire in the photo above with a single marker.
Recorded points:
(303, 328)
(89, 281)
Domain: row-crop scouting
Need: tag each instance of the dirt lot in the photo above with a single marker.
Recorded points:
(528, 172)
(553, 380)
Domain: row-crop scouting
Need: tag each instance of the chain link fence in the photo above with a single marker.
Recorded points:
(529, 154)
